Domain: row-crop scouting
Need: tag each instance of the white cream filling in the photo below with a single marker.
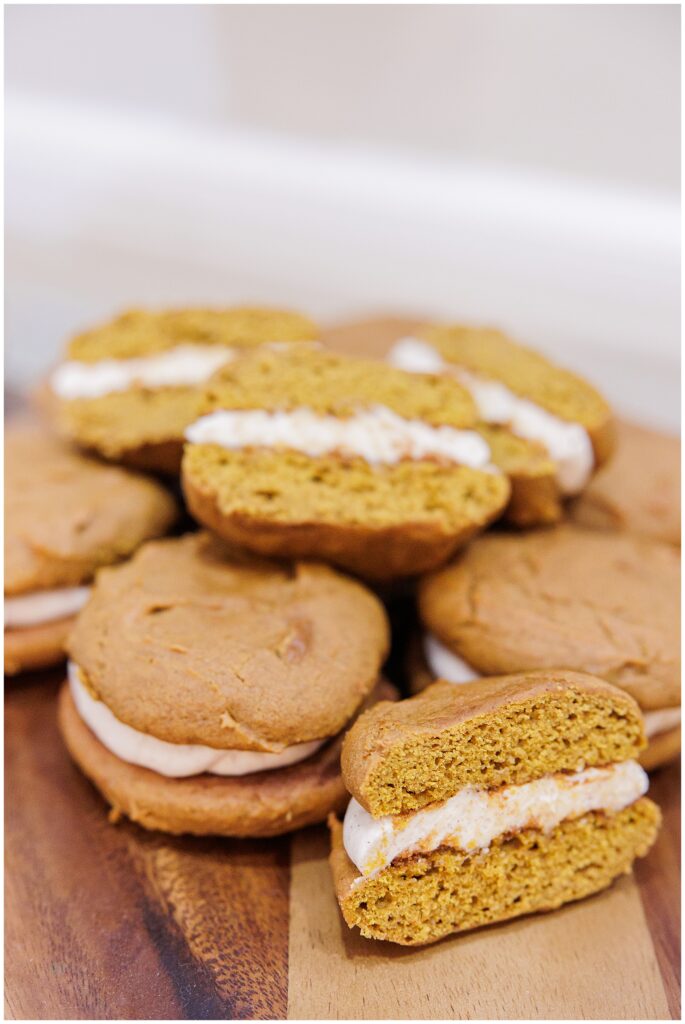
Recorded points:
(175, 760)
(473, 818)
(184, 365)
(444, 664)
(377, 435)
(568, 444)
(660, 721)
(44, 606)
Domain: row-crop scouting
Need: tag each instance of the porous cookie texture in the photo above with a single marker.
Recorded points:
(661, 748)
(226, 649)
(266, 803)
(493, 732)
(638, 490)
(380, 521)
(327, 383)
(422, 898)
(491, 353)
(140, 332)
(67, 515)
(535, 496)
(142, 426)
(607, 604)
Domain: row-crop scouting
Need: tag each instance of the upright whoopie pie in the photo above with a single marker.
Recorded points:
(208, 688)
(128, 389)
(307, 453)
(639, 488)
(568, 598)
(478, 803)
(65, 516)
(548, 428)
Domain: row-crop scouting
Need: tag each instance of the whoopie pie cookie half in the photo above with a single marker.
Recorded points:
(66, 516)
(129, 388)
(209, 689)
(478, 803)
(548, 428)
(307, 453)
(567, 597)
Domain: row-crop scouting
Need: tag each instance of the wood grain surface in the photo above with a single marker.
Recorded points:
(107, 921)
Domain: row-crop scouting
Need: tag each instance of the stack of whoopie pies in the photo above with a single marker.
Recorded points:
(215, 677)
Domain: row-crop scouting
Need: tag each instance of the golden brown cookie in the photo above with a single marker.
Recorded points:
(128, 389)
(478, 803)
(638, 490)
(311, 454)
(490, 355)
(226, 649)
(402, 757)
(568, 597)
(66, 515)
(267, 803)
(220, 711)
(536, 495)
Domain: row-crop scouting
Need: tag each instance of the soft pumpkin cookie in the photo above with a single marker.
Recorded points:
(307, 453)
(539, 409)
(536, 497)
(638, 490)
(567, 597)
(480, 803)
(128, 389)
(221, 712)
(66, 515)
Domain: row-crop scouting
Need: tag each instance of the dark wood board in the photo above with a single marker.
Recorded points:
(108, 921)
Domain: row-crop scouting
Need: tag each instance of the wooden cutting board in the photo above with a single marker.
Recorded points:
(107, 921)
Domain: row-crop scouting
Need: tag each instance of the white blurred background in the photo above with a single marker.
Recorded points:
(517, 165)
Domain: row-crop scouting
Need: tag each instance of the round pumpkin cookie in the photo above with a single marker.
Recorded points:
(221, 712)
(66, 515)
(307, 453)
(128, 389)
(567, 598)
(638, 490)
(552, 428)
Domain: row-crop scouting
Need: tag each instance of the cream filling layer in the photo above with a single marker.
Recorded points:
(183, 365)
(445, 664)
(174, 760)
(44, 606)
(568, 444)
(473, 818)
(377, 435)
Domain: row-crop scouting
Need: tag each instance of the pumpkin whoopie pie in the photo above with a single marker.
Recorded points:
(66, 515)
(639, 488)
(128, 389)
(568, 598)
(307, 453)
(548, 428)
(208, 688)
(478, 803)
